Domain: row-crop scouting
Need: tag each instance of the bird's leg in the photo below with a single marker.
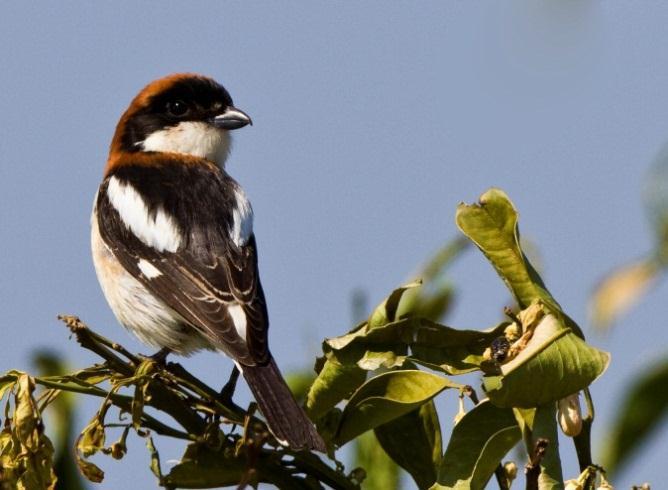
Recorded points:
(228, 390)
(161, 356)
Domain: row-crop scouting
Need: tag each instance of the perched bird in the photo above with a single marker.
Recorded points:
(173, 242)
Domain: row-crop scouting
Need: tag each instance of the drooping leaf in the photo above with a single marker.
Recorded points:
(92, 438)
(89, 470)
(413, 441)
(478, 443)
(62, 411)
(644, 407)
(555, 363)
(142, 380)
(386, 397)
(26, 453)
(155, 459)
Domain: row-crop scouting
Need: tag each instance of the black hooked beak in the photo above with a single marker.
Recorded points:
(232, 118)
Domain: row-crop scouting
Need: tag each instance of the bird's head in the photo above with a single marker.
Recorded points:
(186, 113)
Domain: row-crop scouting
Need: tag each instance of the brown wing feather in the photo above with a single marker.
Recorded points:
(200, 281)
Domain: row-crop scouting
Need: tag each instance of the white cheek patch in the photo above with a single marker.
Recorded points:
(160, 232)
(239, 319)
(191, 138)
(148, 269)
(242, 218)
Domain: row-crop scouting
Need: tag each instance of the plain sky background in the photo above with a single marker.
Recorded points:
(372, 121)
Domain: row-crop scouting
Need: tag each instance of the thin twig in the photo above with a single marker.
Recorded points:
(171, 389)
(532, 469)
(121, 401)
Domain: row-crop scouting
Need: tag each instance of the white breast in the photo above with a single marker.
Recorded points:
(151, 320)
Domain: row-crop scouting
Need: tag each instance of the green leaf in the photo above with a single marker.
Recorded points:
(478, 443)
(554, 364)
(431, 344)
(413, 441)
(300, 383)
(645, 406)
(544, 426)
(202, 467)
(450, 350)
(386, 397)
(335, 382)
(492, 226)
(386, 312)
(372, 360)
(381, 473)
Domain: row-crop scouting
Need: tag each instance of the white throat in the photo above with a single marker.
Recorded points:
(191, 138)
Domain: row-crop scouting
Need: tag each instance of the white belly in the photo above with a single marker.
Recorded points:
(147, 317)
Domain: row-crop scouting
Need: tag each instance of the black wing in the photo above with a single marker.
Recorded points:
(208, 273)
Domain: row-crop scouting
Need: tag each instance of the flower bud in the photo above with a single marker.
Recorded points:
(570, 415)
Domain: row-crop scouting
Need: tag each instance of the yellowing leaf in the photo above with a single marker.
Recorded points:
(620, 290)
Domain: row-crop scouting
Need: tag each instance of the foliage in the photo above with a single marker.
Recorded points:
(645, 403)
(382, 376)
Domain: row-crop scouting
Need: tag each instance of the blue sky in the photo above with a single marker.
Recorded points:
(372, 121)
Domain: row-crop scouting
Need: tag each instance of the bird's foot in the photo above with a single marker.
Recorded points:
(159, 357)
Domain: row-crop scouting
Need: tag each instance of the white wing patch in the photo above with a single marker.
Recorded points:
(160, 232)
(242, 218)
(148, 269)
(239, 318)
(191, 138)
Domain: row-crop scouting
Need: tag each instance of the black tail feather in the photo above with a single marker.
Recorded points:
(287, 421)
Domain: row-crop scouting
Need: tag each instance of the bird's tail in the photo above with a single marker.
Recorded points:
(287, 421)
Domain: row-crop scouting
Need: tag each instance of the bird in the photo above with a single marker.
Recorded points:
(173, 243)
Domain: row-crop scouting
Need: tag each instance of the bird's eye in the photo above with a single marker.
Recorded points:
(177, 108)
